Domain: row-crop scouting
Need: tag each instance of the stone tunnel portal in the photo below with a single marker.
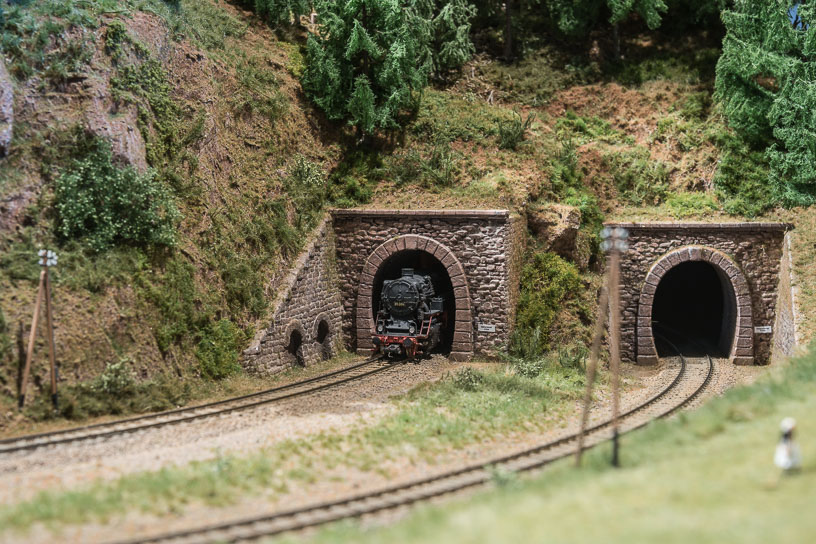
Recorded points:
(695, 306)
(423, 263)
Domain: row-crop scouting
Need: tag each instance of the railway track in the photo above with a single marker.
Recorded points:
(100, 431)
(690, 381)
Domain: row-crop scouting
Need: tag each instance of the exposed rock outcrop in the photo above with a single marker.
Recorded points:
(557, 225)
(6, 109)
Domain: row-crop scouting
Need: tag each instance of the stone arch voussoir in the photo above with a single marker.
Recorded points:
(742, 349)
(462, 347)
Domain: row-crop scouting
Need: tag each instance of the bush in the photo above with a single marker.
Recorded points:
(117, 379)
(512, 132)
(530, 367)
(689, 204)
(104, 205)
(217, 351)
(639, 179)
(468, 379)
(181, 310)
(547, 282)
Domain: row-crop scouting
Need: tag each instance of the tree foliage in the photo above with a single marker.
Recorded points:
(365, 61)
(766, 82)
(281, 11)
(577, 18)
(448, 26)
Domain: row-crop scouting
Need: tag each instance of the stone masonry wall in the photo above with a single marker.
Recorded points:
(481, 240)
(785, 327)
(308, 296)
(755, 248)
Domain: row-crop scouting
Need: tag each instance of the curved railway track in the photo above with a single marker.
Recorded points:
(686, 386)
(100, 431)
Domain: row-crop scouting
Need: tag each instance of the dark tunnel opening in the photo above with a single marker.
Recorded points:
(324, 339)
(422, 263)
(295, 347)
(695, 308)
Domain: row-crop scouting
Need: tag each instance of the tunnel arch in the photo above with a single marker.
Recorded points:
(742, 346)
(462, 338)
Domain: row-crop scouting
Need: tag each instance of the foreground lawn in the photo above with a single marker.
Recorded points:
(705, 476)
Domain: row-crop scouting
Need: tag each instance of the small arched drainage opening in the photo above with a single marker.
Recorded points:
(323, 339)
(695, 306)
(423, 263)
(295, 347)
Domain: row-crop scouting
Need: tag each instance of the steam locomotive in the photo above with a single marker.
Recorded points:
(410, 316)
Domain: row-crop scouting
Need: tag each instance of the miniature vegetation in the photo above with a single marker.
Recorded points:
(393, 72)
(696, 475)
(466, 407)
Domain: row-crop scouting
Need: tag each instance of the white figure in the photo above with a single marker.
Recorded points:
(787, 451)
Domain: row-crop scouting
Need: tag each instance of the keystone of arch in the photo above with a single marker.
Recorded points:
(742, 348)
(462, 348)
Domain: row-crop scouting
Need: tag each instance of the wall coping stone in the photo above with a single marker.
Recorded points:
(458, 214)
(741, 225)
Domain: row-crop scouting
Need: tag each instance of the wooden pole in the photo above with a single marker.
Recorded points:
(603, 309)
(31, 337)
(614, 345)
(52, 347)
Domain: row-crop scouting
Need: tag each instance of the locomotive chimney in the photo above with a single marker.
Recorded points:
(407, 272)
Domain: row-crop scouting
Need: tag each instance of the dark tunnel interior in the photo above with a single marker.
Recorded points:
(422, 263)
(695, 308)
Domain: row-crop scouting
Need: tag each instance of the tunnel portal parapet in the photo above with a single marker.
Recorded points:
(748, 254)
(480, 249)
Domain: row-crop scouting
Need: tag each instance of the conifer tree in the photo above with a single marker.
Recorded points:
(448, 25)
(365, 61)
(766, 83)
(280, 11)
(577, 17)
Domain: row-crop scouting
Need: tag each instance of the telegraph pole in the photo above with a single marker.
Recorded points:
(47, 259)
(615, 243)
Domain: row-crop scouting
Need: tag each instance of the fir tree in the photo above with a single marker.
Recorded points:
(281, 11)
(766, 83)
(448, 25)
(365, 61)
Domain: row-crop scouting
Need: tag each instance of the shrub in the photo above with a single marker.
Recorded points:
(217, 351)
(116, 379)
(512, 132)
(306, 189)
(573, 356)
(639, 179)
(547, 281)
(104, 205)
(529, 367)
(689, 204)
(468, 379)
(181, 311)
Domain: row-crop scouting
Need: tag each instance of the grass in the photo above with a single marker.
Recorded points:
(706, 476)
(90, 403)
(464, 408)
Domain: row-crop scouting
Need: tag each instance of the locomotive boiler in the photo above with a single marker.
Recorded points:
(410, 316)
